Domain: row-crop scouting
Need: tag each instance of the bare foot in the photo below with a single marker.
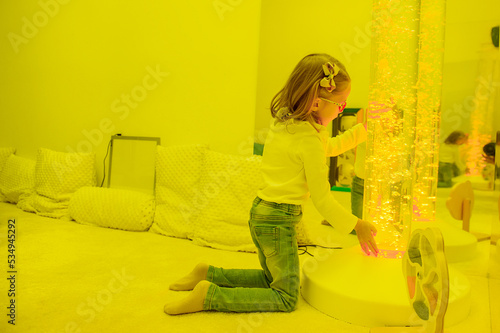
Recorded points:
(199, 273)
(192, 303)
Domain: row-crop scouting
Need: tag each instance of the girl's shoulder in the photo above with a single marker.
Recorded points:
(297, 126)
(448, 148)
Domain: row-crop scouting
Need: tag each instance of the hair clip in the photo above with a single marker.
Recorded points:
(283, 113)
(330, 72)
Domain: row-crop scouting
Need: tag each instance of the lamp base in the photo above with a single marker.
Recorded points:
(371, 291)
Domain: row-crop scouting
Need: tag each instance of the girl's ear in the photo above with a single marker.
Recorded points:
(315, 104)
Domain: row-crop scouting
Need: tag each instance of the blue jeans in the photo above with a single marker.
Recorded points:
(446, 172)
(276, 286)
(357, 193)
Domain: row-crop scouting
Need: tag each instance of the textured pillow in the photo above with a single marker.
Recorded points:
(228, 186)
(112, 208)
(16, 178)
(57, 176)
(178, 171)
(4, 155)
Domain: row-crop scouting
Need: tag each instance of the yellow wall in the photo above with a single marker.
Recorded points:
(291, 30)
(467, 39)
(73, 73)
(67, 67)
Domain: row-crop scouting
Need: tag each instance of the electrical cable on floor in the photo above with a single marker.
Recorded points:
(304, 249)
(104, 163)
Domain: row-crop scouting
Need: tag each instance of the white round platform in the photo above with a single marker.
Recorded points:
(369, 291)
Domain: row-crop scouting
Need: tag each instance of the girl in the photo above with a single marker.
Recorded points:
(450, 163)
(293, 167)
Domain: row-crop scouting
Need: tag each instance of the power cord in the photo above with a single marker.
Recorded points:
(104, 163)
(304, 249)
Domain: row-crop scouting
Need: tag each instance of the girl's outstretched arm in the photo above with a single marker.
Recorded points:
(346, 141)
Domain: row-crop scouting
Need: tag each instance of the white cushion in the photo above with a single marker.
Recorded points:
(228, 186)
(5, 152)
(112, 208)
(206, 196)
(178, 172)
(16, 178)
(57, 176)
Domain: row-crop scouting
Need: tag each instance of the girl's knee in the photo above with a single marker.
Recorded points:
(291, 305)
(290, 302)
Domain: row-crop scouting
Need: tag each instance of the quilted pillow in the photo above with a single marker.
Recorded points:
(57, 176)
(4, 155)
(112, 208)
(16, 178)
(178, 171)
(228, 186)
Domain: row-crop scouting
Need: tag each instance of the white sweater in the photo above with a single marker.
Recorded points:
(450, 153)
(294, 167)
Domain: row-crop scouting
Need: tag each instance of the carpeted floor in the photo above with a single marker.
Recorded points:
(75, 278)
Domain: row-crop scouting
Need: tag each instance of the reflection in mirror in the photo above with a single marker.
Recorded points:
(496, 161)
(475, 116)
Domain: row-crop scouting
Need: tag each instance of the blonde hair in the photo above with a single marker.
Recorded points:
(303, 87)
(454, 137)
